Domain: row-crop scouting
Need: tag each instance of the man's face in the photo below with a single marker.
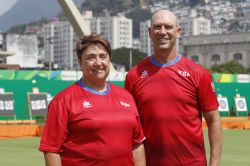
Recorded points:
(95, 64)
(164, 30)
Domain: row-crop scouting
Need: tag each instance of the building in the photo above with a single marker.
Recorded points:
(200, 26)
(216, 49)
(59, 44)
(60, 39)
(159, 5)
(2, 42)
(3, 51)
(87, 16)
(117, 30)
(25, 49)
(146, 44)
(195, 26)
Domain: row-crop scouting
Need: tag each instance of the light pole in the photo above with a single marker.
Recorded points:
(50, 39)
(130, 58)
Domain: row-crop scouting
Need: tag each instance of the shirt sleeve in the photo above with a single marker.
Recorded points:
(128, 85)
(206, 93)
(138, 133)
(56, 128)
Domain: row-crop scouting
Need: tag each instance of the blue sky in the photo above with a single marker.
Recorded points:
(5, 5)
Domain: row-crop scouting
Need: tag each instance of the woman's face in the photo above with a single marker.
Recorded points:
(95, 64)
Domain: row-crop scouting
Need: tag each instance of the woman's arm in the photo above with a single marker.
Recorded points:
(52, 159)
(139, 155)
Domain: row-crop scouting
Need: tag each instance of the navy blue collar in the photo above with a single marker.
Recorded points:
(154, 62)
(92, 90)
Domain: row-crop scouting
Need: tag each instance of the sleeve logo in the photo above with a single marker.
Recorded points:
(212, 86)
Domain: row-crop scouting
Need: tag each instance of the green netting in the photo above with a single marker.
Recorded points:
(20, 88)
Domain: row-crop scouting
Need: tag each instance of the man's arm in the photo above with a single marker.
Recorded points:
(215, 136)
(139, 155)
(52, 159)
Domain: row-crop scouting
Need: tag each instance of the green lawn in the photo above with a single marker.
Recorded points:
(236, 147)
(20, 152)
(24, 151)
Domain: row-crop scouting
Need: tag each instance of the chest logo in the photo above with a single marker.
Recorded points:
(86, 104)
(144, 74)
(124, 104)
(184, 73)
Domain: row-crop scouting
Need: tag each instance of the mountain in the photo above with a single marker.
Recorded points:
(6, 5)
(25, 11)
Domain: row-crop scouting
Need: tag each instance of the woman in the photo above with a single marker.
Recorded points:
(93, 122)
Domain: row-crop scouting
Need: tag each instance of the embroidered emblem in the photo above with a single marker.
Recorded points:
(86, 104)
(144, 74)
(184, 73)
(124, 104)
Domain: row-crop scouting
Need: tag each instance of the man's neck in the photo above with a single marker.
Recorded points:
(163, 56)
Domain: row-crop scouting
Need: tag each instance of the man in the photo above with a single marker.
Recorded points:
(171, 93)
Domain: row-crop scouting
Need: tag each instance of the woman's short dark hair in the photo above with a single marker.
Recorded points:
(94, 38)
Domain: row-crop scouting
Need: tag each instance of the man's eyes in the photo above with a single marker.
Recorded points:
(158, 27)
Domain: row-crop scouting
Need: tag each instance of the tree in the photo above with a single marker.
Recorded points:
(194, 3)
(237, 1)
(113, 6)
(234, 26)
(131, 9)
(231, 67)
(19, 29)
(138, 15)
(121, 56)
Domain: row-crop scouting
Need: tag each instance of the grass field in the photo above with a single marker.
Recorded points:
(20, 152)
(236, 148)
(24, 151)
